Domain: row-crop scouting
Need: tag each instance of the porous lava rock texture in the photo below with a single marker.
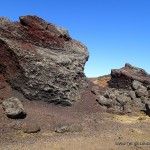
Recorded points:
(41, 60)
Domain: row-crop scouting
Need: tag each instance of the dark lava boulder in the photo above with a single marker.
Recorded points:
(123, 78)
(41, 60)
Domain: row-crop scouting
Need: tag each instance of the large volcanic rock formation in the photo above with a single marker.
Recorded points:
(128, 91)
(41, 60)
(123, 78)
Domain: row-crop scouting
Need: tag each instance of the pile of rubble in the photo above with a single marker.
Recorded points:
(128, 91)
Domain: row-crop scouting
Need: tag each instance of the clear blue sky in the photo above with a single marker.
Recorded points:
(115, 31)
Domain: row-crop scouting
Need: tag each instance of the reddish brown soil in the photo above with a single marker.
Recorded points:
(100, 130)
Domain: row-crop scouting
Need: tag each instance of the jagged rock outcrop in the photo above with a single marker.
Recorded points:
(123, 78)
(128, 91)
(41, 60)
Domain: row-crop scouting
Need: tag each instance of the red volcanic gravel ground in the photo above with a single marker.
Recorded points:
(100, 130)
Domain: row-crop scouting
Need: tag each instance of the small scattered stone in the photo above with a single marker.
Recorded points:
(14, 108)
(69, 128)
(31, 128)
(62, 128)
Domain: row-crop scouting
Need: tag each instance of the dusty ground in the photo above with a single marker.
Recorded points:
(101, 81)
(100, 130)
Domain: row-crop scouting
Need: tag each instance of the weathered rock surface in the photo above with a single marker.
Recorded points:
(123, 78)
(95, 90)
(30, 128)
(41, 60)
(136, 84)
(14, 108)
(104, 101)
(62, 128)
(68, 128)
(128, 91)
(142, 92)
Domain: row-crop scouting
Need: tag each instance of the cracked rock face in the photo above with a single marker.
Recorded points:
(41, 60)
